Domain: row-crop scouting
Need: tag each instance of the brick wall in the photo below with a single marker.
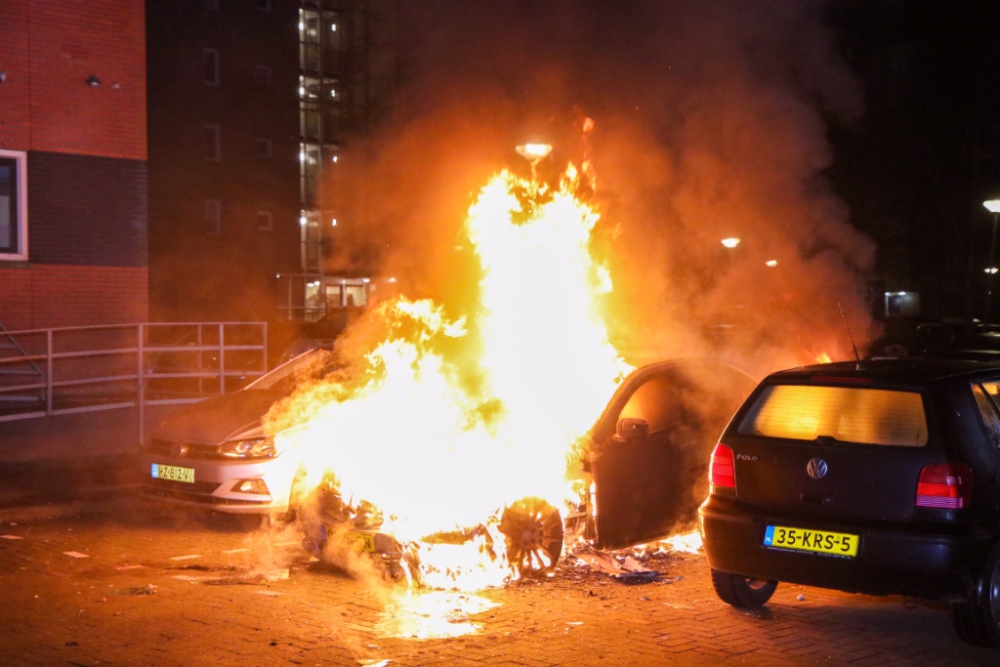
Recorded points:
(86, 210)
(47, 296)
(48, 48)
(86, 160)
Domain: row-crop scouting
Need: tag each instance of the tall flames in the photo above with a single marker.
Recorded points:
(450, 420)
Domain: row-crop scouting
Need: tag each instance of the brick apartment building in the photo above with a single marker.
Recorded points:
(250, 104)
(73, 227)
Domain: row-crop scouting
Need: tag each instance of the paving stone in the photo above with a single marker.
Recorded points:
(105, 604)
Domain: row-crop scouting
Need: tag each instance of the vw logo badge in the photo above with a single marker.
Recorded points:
(180, 449)
(816, 468)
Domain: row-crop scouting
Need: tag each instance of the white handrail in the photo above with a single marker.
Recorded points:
(99, 363)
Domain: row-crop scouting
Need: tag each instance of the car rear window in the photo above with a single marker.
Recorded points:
(850, 414)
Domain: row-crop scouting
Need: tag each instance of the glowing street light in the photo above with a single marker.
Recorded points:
(533, 152)
(731, 242)
(771, 263)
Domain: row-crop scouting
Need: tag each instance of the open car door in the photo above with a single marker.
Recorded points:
(651, 448)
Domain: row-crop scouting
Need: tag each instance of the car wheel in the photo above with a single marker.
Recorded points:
(534, 536)
(977, 621)
(742, 591)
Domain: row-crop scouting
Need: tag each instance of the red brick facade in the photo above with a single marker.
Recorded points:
(48, 49)
(86, 160)
(63, 296)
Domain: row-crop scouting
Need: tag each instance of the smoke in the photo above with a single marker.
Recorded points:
(711, 121)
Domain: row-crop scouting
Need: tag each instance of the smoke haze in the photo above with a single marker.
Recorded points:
(711, 122)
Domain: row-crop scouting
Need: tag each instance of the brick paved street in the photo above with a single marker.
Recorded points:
(130, 586)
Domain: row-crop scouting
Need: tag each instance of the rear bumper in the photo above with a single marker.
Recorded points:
(932, 566)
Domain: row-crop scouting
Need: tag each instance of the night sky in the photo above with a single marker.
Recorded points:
(917, 165)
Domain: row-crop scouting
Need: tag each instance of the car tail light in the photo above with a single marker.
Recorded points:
(721, 473)
(945, 486)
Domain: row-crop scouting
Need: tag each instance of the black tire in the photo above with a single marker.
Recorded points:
(977, 621)
(963, 619)
(533, 533)
(742, 591)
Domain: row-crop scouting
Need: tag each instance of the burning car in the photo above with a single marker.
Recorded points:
(642, 470)
(460, 442)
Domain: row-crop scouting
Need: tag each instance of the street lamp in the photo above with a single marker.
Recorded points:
(534, 153)
(731, 242)
(993, 206)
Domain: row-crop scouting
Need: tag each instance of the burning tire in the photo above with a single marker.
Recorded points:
(534, 536)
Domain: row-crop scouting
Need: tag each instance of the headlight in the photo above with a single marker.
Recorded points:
(252, 448)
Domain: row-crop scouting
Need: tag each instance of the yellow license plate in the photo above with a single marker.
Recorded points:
(173, 473)
(814, 541)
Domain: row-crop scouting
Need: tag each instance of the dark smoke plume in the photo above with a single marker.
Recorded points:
(711, 122)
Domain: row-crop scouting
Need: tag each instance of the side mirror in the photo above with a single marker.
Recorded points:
(629, 429)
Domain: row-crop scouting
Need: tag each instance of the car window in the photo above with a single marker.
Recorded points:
(987, 395)
(658, 401)
(850, 414)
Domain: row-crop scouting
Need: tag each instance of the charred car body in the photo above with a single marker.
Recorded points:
(881, 478)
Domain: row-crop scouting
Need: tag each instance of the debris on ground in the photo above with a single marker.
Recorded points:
(148, 589)
(626, 569)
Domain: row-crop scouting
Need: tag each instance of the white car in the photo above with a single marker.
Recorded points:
(214, 454)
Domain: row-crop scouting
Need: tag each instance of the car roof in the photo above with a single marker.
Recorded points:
(891, 371)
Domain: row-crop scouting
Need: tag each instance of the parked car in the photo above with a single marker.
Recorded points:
(877, 478)
(647, 457)
(214, 454)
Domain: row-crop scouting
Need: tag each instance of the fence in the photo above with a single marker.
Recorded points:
(81, 369)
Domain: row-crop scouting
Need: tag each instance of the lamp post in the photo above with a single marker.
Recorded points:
(993, 206)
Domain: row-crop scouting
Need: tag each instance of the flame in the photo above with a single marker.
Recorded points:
(823, 358)
(451, 420)
(431, 615)
(689, 543)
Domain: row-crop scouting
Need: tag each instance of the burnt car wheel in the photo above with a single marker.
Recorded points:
(534, 536)
(742, 591)
(977, 621)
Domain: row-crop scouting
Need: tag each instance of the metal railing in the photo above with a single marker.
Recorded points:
(46, 372)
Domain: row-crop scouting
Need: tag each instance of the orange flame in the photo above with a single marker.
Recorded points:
(436, 452)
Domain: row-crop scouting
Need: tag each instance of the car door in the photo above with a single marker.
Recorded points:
(981, 447)
(650, 451)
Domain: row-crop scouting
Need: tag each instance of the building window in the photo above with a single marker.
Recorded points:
(13, 206)
(210, 5)
(262, 75)
(265, 221)
(265, 149)
(262, 5)
(211, 67)
(213, 217)
(213, 143)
